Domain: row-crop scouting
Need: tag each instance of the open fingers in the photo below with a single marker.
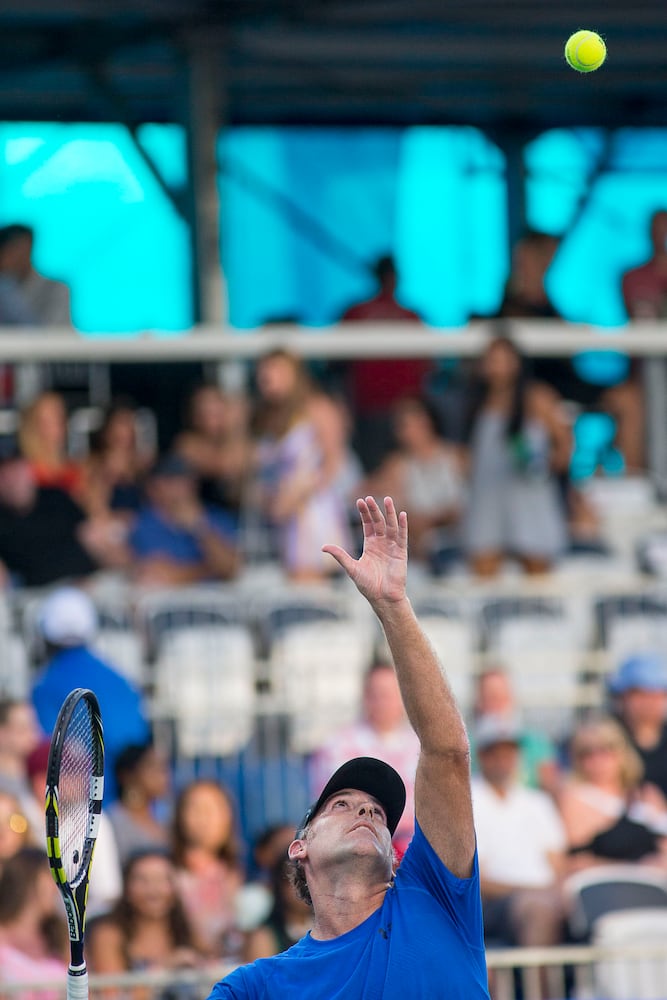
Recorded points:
(375, 522)
(370, 517)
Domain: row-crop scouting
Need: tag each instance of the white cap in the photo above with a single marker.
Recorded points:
(68, 618)
(492, 730)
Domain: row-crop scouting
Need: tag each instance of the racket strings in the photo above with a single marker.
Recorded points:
(74, 789)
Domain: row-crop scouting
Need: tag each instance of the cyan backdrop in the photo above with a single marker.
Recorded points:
(305, 211)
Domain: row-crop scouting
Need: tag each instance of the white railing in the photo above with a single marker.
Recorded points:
(574, 972)
(643, 338)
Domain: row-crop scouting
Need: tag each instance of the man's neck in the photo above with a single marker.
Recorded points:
(342, 903)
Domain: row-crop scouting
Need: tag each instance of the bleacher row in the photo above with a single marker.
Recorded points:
(214, 659)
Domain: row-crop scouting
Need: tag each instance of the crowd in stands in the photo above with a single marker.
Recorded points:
(176, 887)
(270, 474)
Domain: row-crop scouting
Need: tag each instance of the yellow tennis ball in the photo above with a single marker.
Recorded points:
(585, 51)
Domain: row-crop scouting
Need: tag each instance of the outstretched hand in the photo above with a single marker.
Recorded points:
(381, 571)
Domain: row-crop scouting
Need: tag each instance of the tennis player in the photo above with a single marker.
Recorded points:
(379, 933)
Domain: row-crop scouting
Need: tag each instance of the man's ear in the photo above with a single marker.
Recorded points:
(297, 850)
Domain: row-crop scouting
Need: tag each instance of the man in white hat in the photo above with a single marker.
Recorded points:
(68, 625)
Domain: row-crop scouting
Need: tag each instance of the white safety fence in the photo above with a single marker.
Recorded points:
(596, 972)
(637, 972)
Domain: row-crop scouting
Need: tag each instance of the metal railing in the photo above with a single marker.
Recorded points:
(577, 972)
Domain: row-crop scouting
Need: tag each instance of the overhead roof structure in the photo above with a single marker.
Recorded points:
(497, 64)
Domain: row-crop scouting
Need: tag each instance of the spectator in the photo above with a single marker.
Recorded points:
(644, 290)
(425, 474)
(116, 464)
(290, 918)
(525, 293)
(19, 736)
(46, 302)
(520, 442)
(208, 870)
(495, 696)
(45, 536)
(43, 441)
(68, 624)
(645, 287)
(176, 539)
(639, 690)
(520, 840)
(301, 461)
(270, 848)
(217, 445)
(105, 888)
(33, 935)
(374, 384)
(256, 899)
(15, 831)
(148, 927)
(383, 731)
(143, 783)
(26, 297)
(609, 811)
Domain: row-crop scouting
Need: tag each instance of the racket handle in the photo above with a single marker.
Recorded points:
(77, 982)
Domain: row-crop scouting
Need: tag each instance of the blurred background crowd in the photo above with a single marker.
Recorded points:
(168, 557)
(161, 521)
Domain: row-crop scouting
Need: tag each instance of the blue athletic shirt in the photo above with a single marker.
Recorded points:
(426, 940)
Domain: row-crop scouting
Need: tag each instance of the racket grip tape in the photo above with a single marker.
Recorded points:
(77, 983)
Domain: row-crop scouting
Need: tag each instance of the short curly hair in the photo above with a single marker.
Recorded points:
(297, 879)
(296, 875)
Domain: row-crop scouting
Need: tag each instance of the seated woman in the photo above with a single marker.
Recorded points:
(424, 473)
(217, 445)
(208, 871)
(520, 445)
(43, 441)
(117, 464)
(143, 781)
(33, 934)
(302, 467)
(609, 812)
(148, 927)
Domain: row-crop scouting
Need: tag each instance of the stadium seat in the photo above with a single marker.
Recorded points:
(204, 683)
(542, 647)
(316, 672)
(629, 624)
(273, 610)
(161, 612)
(604, 889)
(644, 976)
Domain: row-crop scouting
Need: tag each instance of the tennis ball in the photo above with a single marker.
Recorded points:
(585, 51)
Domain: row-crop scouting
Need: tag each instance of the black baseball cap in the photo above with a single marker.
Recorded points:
(367, 774)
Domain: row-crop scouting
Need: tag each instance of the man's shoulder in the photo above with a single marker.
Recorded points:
(248, 981)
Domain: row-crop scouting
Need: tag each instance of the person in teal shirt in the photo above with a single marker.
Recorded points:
(538, 754)
(379, 933)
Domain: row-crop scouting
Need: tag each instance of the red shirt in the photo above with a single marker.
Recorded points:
(645, 291)
(376, 383)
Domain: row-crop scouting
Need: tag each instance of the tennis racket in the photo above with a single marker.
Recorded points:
(74, 787)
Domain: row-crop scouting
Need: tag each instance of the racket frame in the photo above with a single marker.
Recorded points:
(74, 895)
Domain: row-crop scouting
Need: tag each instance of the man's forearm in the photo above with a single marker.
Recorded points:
(427, 696)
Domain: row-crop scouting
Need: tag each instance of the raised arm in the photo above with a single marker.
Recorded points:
(442, 789)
